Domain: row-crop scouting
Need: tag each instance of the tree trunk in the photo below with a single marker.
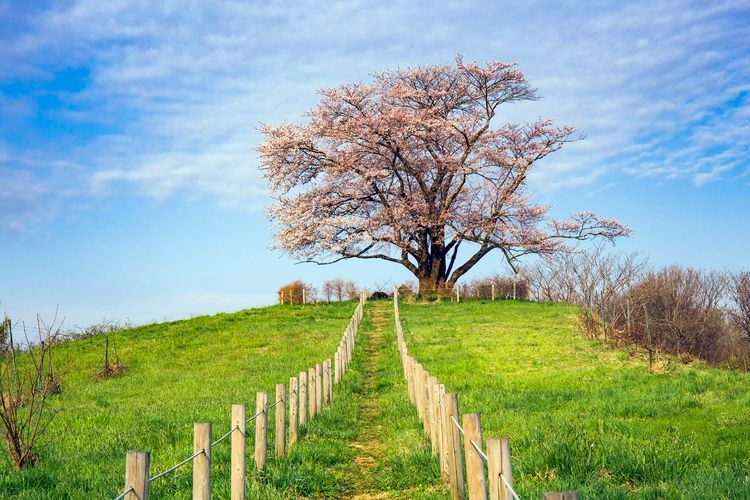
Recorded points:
(431, 287)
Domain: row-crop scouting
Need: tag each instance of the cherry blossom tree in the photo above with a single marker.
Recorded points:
(410, 167)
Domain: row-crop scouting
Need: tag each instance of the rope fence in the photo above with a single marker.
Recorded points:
(466, 467)
(309, 393)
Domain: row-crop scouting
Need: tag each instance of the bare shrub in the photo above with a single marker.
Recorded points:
(339, 289)
(27, 381)
(739, 302)
(296, 292)
(113, 367)
(505, 287)
(676, 310)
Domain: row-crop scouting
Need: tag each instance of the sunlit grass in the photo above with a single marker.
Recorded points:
(581, 416)
(178, 373)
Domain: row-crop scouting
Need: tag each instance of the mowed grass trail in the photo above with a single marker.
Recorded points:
(178, 373)
(581, 416)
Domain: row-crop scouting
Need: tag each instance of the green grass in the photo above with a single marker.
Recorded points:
(180, 373)
(581, 416)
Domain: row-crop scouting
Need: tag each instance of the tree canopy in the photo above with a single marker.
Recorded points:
(409, 168)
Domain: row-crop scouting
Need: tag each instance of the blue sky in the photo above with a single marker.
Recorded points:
(128, 181)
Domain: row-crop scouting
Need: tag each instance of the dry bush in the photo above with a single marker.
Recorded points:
(339, 289)
(27, 380)
(739, 302)
(296, 292)
(113, 367)
(675, 310)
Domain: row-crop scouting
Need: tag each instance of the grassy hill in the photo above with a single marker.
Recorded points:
(581, 416)
(178, 373)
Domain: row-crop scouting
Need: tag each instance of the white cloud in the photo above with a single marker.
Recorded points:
(183, 84)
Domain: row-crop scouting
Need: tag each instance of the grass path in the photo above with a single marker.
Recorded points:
(368, 444)
(392, 457)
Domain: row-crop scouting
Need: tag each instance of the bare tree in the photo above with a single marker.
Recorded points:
(739, 296)
(27, 380)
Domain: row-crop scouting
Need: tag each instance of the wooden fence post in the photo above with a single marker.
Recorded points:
(303, 399)
(337, 367)
(444, 474)
(418, 396)
(238, 452)
(311, 392)
(455, 460)
(431, 383)
(202, 463)
(474, 463)
(293, 409)
(261, 430)
(318, 387)
(409, 369)
(328, 389)
(506, 468)
(280, 420)
(493, 291)
(560, 495)
(495, 468)
(137, 464)
(425, 393)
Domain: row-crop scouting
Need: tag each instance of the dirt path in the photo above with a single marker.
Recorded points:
(369, 440)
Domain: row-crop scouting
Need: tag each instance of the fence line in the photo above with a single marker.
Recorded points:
(438, 411)
(319, 387)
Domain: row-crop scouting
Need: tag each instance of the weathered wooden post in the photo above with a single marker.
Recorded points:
(327, 392)
(474, 463)
(303, 399)
(495, 468)
(337, 367)
(458, 294)
(453, 435)
(432, 381)
(319, 387)
(409, 369)
(137, 464)
(443, 436)
(506, 468)
(425, 393)
(261, 430)
(293, 409)
(238, 453)
(311, 392)
(280, 414)
(202, 462)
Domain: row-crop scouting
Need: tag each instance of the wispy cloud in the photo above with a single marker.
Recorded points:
(175, 89)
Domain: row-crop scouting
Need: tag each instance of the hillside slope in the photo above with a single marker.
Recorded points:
(581, 416)
(178, 373)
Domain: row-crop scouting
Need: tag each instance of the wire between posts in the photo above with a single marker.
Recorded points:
(261, 412)
(479, 450)
(122, 495)
(275, 403)
(174, 468)
(222, 438)
(457, 424)
(510, 488)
